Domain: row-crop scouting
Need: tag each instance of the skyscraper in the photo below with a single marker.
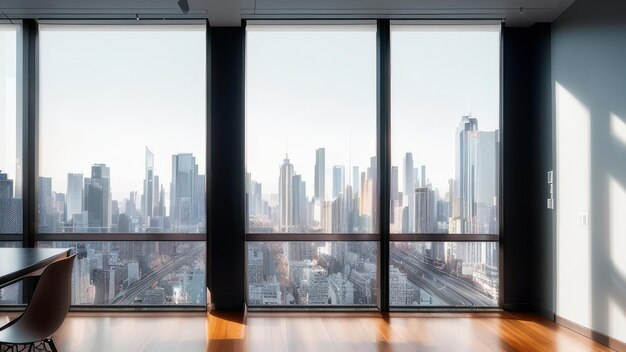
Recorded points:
(356, 181)
(285, 195)
(373, 176)
(74, 197)
(475, 186)
(44, 192)
(394, 183)
(98, 198)
(148, 186)
(409, 190)
(6, 186)
(182, 191)
(320, 174)
(338, 180)
(10, 207)
(45, 204)
(424, 210)
(298, 201)
(486, 182)
(104, 280)
(199, 209)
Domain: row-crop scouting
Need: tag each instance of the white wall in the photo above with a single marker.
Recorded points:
(589, 99)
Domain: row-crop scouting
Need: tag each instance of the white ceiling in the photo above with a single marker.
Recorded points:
(230, 12)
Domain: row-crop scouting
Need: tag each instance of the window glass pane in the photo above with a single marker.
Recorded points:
(311, 128)
(11, 294)
(122, 113)
(137, 273)
(445, 109)
(460, 274)
(312, 273)
(10, 130)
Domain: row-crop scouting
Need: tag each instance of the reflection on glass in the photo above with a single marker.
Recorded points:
(311, 128)
(460, 274)
(312, 273)
(445, 108)
(10, 148)
(122, 129)
(137, 273)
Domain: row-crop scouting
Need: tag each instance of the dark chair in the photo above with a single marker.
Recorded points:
(45, 313)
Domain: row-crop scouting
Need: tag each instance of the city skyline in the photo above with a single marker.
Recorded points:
(108, 91)
(89, 206)
(468, 204)
(324, 78)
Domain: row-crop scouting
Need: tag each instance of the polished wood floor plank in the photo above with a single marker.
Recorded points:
(323, 332)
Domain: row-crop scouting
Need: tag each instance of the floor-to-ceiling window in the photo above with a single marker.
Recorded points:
(121, 159)
(311, 161)
(316, 121)
(10, 149)
(444, 185)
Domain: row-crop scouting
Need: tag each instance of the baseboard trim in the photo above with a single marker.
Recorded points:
(527, 307)
(592, 334)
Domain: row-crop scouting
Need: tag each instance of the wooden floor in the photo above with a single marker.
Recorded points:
(325, 332)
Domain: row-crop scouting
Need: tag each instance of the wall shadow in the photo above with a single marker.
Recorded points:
(589, 44)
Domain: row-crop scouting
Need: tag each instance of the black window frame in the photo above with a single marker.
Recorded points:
(383, 148)
(29, 53)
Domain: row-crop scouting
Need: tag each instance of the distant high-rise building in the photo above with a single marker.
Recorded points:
(148, 186)
(200, 197)
(156, 188)
(98, 198)
(356, 181)
(394, 195)
(104, 281)
(82, 290)
(326, 210)
(398, 287)
(6, 186)
(423, 176)
(44, 192)
(74, 196)
(486, 182)
(317, 286)
(255, 266)
(475, 188)
(183, 205)
(46, 211)
(285, 195)
(394, 183)
(299, 201)
(409, 189)
(338, 180)
(320, 174)
(424, 210)
(10, 207)
(374, 177)
(59, 207)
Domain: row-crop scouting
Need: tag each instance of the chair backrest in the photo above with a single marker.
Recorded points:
(51, 301)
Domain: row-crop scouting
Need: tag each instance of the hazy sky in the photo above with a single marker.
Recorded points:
(107, 92)
(8, 100)
(439, 74)
(308, 88)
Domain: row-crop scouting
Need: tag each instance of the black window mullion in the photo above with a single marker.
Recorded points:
(383, 89)
(28, 53)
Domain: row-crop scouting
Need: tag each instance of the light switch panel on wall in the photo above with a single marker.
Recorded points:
(550, 203)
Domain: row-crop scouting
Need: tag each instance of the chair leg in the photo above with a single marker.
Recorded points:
(50, 343)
